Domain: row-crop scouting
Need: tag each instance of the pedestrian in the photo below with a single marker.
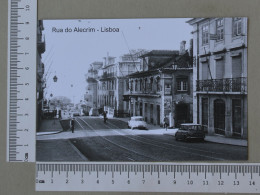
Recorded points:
(165, 122)
(105, 116)
(59, 114)
(72, 125)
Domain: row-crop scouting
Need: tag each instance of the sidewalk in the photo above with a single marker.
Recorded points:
(225, 140)
(208, 138)
(49, 126)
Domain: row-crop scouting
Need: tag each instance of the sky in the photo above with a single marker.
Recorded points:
(69, 54)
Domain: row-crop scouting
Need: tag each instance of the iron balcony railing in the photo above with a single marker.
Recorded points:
(223, 85)
(149, 90)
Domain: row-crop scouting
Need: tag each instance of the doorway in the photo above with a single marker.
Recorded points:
(219, 116)
(236, 117)
(158, 115)
(182, 114)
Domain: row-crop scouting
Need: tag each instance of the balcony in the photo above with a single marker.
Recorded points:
(41, 44)
(108, 75)
(148, 91)
(223, 85)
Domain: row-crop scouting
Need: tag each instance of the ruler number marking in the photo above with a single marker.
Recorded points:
(27, 8)
(236, 183)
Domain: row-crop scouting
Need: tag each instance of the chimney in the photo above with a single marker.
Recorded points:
(182, 48)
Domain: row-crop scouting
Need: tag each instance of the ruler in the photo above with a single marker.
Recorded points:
(149, 177)
(21, 106)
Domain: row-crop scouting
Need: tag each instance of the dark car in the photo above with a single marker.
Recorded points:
(190, 131)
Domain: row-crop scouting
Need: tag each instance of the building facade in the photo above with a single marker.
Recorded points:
(113, 83)
(91, 77)
(220, 75)
(163, 88)
(107, 85)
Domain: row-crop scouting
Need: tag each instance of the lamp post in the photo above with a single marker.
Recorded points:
(55, 78)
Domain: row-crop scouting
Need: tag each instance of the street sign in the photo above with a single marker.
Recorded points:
(21, 106)
(149, 177)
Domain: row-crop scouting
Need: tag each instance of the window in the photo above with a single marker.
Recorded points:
(151, 84)
(145, 84)
(220, 69)
(205, 34)
(136, 82)
(237, 27)
(127, 85)
(158, 84)
(131, 86)
(141, 83)
(220, 29)
(182, 85)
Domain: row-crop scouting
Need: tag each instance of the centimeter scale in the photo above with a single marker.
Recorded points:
(148, 177)
(21, 110)
(21, 125)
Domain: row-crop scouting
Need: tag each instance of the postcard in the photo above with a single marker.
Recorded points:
(142, 90)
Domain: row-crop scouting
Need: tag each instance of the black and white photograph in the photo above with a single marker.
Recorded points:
(142, 90)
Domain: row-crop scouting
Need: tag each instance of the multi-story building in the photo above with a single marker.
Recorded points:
(91, 88)
(127, 64)
(107, 85)
(113, 82)
(220, 75)
(40, 83)
(163, 87)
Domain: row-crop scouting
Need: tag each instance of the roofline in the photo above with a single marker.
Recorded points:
(174, 52)
(195, 20)
(109, 65)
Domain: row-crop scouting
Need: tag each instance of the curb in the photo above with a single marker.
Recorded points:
(48, 133)
(225, 143)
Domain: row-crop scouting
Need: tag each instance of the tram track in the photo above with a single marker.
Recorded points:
(165, 145)
(157, 144)
(127, 153)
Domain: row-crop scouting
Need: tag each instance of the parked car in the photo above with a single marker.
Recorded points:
(190, 131)
(137, 122)
(93, 112)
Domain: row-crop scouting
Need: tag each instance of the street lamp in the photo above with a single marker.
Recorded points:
(55, 78)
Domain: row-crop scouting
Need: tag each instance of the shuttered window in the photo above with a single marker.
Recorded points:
(236, 66)
(205, 71)
(219, 69)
